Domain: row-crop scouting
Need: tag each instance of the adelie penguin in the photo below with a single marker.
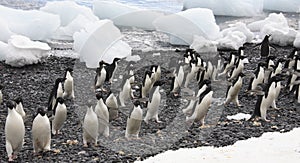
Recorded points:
(57, 91)
(60, 115)
(19, 107)
(134, 121)
(100, 76)
(154, 102)
(1, 95)
(90, 127)
(14, 132)
(238, 67)
(201, 107)
(266, 98)
(229, 63)
(146, 85)
(126, 93)
(103, 116)
(258, 78)
(41, 132)
(156, 73)
(192, 73)
(265, 47)
(110, 70)
(296, 89)
(112, 105)
(233, 90)
(68, 84)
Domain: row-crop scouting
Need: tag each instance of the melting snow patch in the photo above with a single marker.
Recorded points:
(239, 116)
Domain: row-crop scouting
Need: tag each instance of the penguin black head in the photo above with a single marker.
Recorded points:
(11, 105)
(102, 63)
(193, 61)
(41, 111)
(271, 57)
(204, 82)
(153, 67)
(19, 100)
(99, 96)
(60, 100)
(69, 69)
(116, 60)
(262, 64)
(136, 103)
(59, 80)
(148, 73)
(241, 74)
(159, 83)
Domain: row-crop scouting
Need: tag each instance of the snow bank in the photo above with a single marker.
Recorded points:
(37, 25)
(98, 41)
(184, 25)
(228, 7)
(270, 147)
(3, 49)
(73, 17)
(5, 31)
(282, 5)
(297, 40)
(239, 116)
(277, 26)
(125, 15)
(22, 51)
(202, 45)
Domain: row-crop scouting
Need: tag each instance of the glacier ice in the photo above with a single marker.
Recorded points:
(277, 26)
(228, 7)
(282, 5)
(22, 51)
(5, 31)
(72, 16)
(125, 15)
(202, 45)
(29, 23)
(296, 42)
(184, 25)
(98, 41)
(3, 50)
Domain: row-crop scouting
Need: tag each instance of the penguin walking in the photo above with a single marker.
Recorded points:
(100, 76)
(41, 132)
(19, 107)
(233, 91)
(228, 64)
(103, 116)
(156, 73)
(296, 89)
(270, 67)
(110, 70)
(278, 87)
(258, 78)
(112, 105)
(68, 84)
(265, 47)
(90, 127)
(277, 69)
(154, 102)
(147, 84)
(60, 115)
(14, 132)
(202, 106)
(265, 99)
(290, 61)
(1, 95)
(238, 67)
(57, 91)
(175, 87)
(125, 93)
(134, 121)
(192, 73)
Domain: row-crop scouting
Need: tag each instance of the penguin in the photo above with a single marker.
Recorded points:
(100, 76)
(180, 75)
(296, 89)
(110, 70)
(147, 84)
(233, 91)
(60, 115)
(175, 87)
(134, 121)
(154, 102)
(201, 107)
(156, 73)
(278, 87)
(265, 99)
(112, 105)
(126, 93)
(258, 78)
(265, 47)
(130, 73)
(228, 64)
(1, 95)
(193, 71)
(41, 132)
(291, 79)
(202, 87)
(68, 84)
(57, 91)
(241, 51)
(19, 107)
(238, 67)
(14, 131)
(90, 127)
(270, 67)
(103, 116)
(290, 62)
(277, 69)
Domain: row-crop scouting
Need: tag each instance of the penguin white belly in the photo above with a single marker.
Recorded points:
(69, 86)
(1, 97)
(101, 78)
(233, 92)
(59, 118)
(277, 92)
(189, 77)
(180, 75)
(237, 70)
(20, 110)
(146, 87)
(103, 118)
(267, 102)
(59, 91)
(134, 123)
(41, 133)
(293, 79)
(152, 111)
(125, 93)
(90, 127)
(298, 98)
(188, 110)
(14, 132)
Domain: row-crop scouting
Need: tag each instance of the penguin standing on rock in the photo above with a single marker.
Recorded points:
(110, 70)
(19, 107)
(68, 84)
(175, 87)
(147, 84)
(41, 132)
(112, 105)
(233, 91)
(1, 95)
(229, 63)
(258, 78)
(238, 67)
(14, 132)
(57, 91)
(100, 76)
(266, 98)
(125, 93)
(60, 115)
(103, 116)
(154, 102)
(134, 121)
(265, 47)
(90, 127)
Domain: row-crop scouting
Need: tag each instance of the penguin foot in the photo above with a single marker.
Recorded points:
(85, 145)
(204, 126)
(158, 121)
(10, 159)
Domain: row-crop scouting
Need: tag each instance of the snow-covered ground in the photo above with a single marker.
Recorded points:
(272, 147)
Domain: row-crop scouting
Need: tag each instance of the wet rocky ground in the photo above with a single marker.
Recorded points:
(34, 83)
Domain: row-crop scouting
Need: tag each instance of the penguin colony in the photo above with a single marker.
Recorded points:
(265, 83)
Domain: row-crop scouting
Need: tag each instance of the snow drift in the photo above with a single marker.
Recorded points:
(228, 7)
(125, 15)
(98, 41)
(182, 26)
